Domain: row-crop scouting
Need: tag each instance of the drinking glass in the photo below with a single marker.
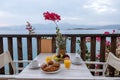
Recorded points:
(67, 64)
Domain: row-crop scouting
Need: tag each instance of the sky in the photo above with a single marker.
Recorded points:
(80, 12)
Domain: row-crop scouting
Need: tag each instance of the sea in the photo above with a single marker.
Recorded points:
(44, 30)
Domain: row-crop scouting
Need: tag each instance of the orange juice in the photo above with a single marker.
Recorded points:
(48, 58)
(67, 63)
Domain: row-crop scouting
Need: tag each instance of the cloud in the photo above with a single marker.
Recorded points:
(5, 17)
(100, 6)
(4, 14)
(17, 12)
(72, 18)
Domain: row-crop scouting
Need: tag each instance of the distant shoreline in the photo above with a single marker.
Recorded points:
(82, 29)
(89, 29)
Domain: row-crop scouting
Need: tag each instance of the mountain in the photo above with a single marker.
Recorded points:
(91, 27)
(116, 26)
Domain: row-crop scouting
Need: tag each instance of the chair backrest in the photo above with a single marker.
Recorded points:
(5, 58)
(113, 61)
(46, 45)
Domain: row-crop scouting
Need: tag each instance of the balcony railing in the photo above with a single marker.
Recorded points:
(17, 40)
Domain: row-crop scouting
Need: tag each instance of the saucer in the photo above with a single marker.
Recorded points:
(35, 67)
(77, 63)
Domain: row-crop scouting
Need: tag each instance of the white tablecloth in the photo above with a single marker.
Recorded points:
(75, 71)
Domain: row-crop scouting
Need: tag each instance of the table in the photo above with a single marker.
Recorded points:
(75, 71)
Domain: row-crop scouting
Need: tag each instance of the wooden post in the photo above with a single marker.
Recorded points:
(102, 51)
(73, 44)
(83, 48)
(29, 47)
(10, 48)
(19, 47)
(38, 45)
(93, 51)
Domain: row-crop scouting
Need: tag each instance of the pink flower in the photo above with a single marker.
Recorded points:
(106, 32)
(108, 43)
(28, 28)
(118, 44)
(113, 31)
(98, 39)
(51, 16)
(88, 39)
(97, 66)
(98, 56)
(118, 38)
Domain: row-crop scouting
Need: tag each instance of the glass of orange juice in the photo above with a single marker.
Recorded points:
(67, 63)
(48, 58)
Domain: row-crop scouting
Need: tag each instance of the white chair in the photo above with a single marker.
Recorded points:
(112, 60)
(5, 58)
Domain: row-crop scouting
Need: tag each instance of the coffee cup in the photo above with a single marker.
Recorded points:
(76, 60)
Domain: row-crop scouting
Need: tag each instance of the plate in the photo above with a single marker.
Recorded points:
(52, 71)
(61, 61)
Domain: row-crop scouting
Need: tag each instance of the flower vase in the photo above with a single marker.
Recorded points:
(62, 51)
